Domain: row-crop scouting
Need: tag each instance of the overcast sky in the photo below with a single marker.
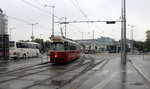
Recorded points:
(137, 14)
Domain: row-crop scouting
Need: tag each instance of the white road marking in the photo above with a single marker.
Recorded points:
(102, 84)
(100, 65)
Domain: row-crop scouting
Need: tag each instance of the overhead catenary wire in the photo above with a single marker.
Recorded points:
(47, 12)
(36, 7)
(86, 16)
(20, 20)
(42, 6)
(77, 5)
(94, 25)
(47, 9)
(74, 4)
(79, 8)
(23, 21)
(82, 10)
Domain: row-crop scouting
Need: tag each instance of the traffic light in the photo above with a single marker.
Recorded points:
(110, 22)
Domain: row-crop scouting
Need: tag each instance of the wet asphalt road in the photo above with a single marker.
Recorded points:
(114, 75)
(106, 75)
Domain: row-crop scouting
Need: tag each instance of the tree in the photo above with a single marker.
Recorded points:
(39, 41)
(47, 45)
(138, 45)
(147, 42)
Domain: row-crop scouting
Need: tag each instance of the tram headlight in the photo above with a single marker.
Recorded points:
(55, 55)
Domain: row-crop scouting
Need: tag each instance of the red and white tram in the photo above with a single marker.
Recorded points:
(64, 50)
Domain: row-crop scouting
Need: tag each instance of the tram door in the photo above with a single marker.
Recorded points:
(66, 48)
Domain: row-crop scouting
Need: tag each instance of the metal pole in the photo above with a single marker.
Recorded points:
(52, 17)
(53, 21)
(40, 39)
(143, 49)
(131, 37)
(32, 32)
(82, 37)
(122, 32)
(93, 43)
(65, 28)
(32, 37)
(10, 32)
(124, 25)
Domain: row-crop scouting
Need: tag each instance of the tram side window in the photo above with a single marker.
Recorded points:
(75, 47)
(78, 48)
(72, 47)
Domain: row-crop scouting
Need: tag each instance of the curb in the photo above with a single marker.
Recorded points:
(141, 72)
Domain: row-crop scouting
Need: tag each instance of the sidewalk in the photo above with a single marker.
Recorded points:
(20, 63)
(142, 64)
(115, 76)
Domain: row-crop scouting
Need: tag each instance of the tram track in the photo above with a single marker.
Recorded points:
(60, 73)
(85, 63)
(81, 73)
(19, 72)
(19, 69)
(89, 65)
(34, 67)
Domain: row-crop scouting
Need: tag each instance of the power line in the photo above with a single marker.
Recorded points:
(86, 17)
(40, 8)
(42, 5)
(23, 21)
(46, 9)
(81, 10)
(20, 20)
(35, 7)
(74, 4)
(78, 7)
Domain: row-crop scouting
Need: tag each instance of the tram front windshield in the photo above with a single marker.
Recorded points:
(57, 46)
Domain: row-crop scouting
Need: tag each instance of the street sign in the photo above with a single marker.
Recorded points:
(110, 22)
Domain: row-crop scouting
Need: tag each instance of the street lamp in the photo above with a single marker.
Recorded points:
(132, 37)
(40, 39)
(52, 17)
(10, 32)
(32, 36)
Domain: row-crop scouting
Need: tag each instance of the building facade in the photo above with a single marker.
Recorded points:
(3, 23)
(99, 44)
